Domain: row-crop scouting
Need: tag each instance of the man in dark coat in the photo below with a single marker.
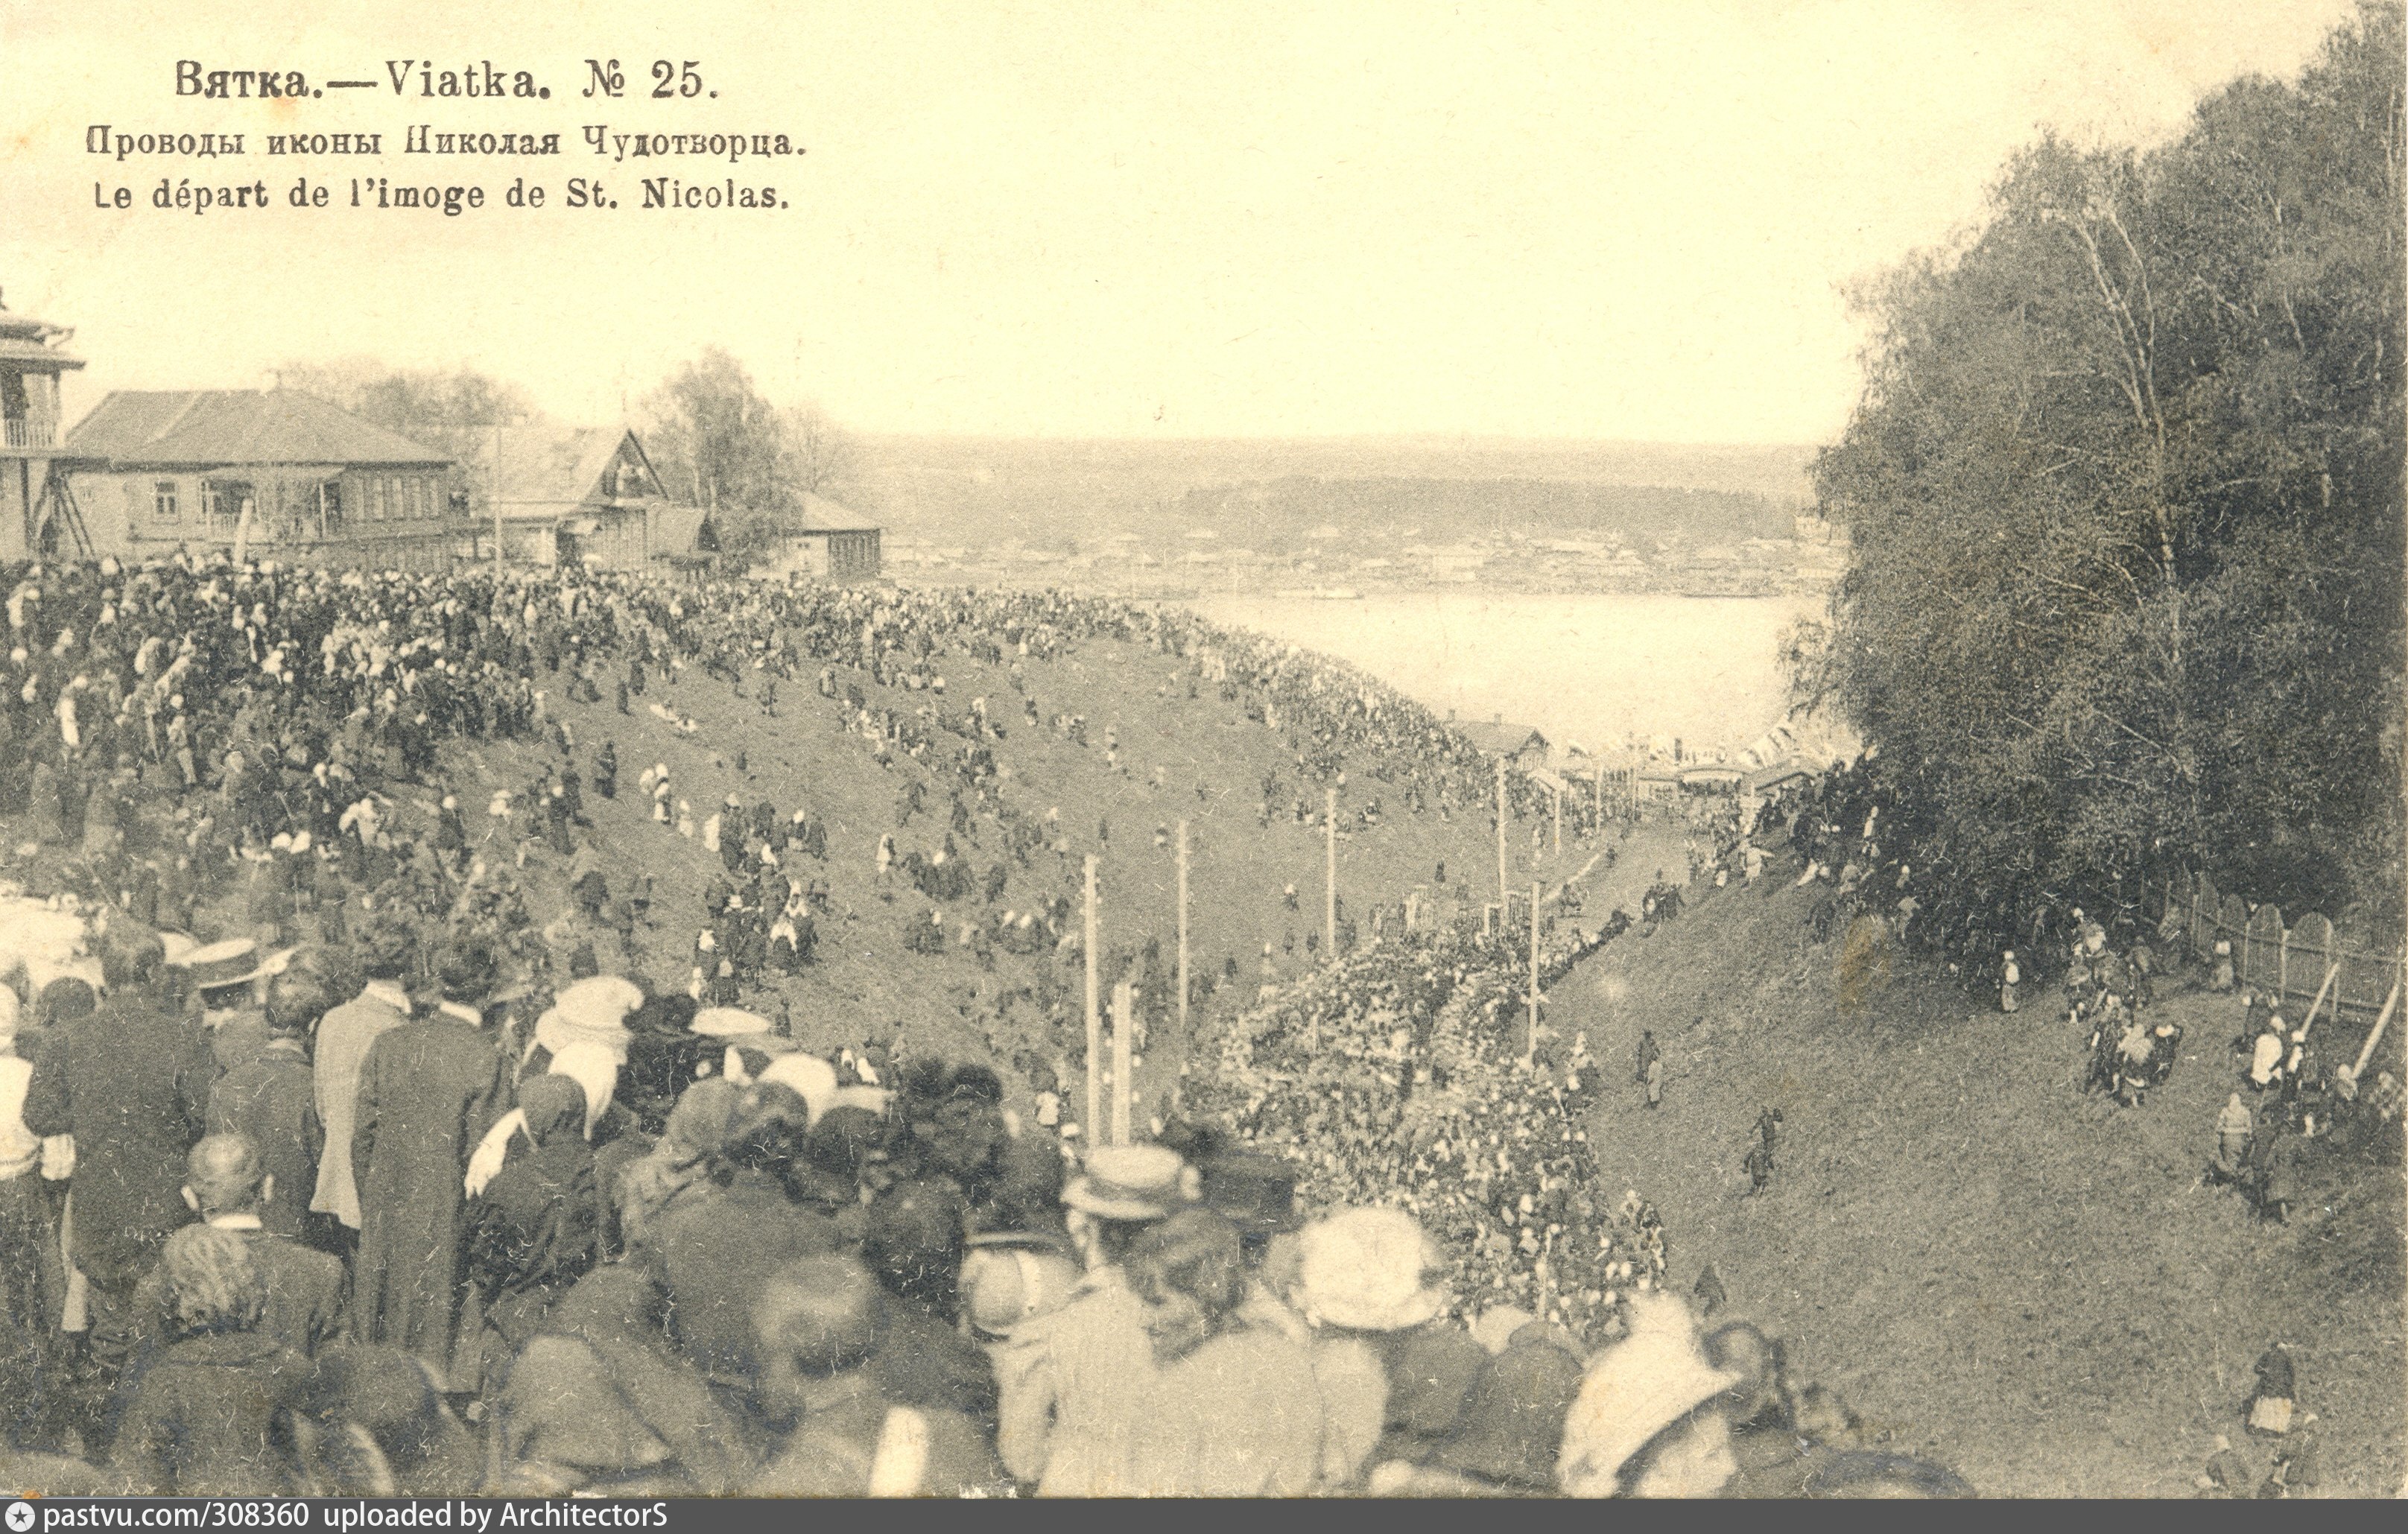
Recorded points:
(130, 1084)
(271, 1100)
(428, 1091)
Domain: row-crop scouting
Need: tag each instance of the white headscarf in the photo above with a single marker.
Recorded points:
(595, 1068)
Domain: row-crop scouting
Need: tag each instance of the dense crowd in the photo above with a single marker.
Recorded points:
(342, 1149)
(647, 1247)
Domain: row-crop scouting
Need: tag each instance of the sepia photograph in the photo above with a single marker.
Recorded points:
(1146, 747)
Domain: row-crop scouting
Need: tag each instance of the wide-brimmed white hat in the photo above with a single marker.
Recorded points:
(1369, 1269)
(236, 961)
(1636, 1390)
(728, 1022)
(1133, 1183)
(592, 1010)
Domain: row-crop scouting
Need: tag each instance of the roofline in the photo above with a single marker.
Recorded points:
(146, 464)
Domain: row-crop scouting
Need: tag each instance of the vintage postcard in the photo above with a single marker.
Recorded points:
(1121, 747)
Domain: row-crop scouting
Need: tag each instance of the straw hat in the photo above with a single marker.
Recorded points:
(1369, 1269)
(236, 961)
(1635, 1390)
(1133, 1183)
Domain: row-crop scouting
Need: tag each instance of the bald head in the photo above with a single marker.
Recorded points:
(223, 1175)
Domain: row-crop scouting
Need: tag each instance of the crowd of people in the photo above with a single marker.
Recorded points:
(345, 1148)
(648, 1247)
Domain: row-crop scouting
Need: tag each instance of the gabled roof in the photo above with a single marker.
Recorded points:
(818, 514)
(1502, 739)
(554, 467)
(204, 426)
(677, 530)
(24, 338)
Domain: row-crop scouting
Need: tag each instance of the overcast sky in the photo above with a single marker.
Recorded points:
(1618, 221)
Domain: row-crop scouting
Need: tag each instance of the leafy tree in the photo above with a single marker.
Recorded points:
(450, 410)
(713, 436)
(2124, 492)
(442, 408)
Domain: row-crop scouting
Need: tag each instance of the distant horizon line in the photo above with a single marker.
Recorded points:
(1430, 439)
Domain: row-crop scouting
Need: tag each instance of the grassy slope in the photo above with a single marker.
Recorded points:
(2023, 1282)
(865, 986)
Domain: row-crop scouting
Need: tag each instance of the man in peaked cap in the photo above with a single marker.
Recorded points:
(1073, 1382)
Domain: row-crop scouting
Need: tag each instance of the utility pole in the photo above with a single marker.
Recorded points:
(496, 471)
(1123, 1020)
(1329, 876)
(1559, 794)
(1182, 935)
(1501, 875)
(1094, 1127)
(1531, 1053)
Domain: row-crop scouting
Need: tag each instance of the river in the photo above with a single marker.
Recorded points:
(1584, 671)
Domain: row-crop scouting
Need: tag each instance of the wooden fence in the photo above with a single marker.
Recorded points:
(2267, 955)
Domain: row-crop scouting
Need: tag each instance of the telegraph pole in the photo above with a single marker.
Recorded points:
(1182, 935)
(1095, 1125)
(1559, 822)
(1329, 876)
(1532, 1052)
(1500, 837)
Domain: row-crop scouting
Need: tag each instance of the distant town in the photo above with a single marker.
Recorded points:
(1339, 563)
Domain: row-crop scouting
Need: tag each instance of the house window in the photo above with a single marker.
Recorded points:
(162, 500)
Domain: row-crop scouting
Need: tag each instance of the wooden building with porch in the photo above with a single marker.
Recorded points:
(575, 496)
(283, 475)
(37, 505)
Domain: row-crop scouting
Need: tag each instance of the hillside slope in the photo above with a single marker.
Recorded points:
(865, 986)
(2029, 1284)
